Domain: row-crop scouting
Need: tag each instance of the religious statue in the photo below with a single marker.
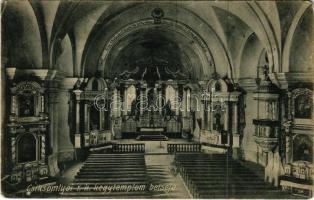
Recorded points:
(303, 107)
(217, 124)
(26, 106)
(94, 135)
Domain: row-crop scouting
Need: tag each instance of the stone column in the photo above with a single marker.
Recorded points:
(101, 120)
(288, 137)
(235, 118)
(288, 147)
(13, 104)
(268, 112)
(42, 103)
(188, 101)
(86, 118)
(160, 106)
(42, 150)
(125, 105)
(142, 98)
(77, 141)
(289, 105)
(156, 93)
(177, 100)
(184, 102)
(53, 132)
(115, 102)
(236, 153)
(208, 116)
(77, 110)
(226, 121)
(65, 149)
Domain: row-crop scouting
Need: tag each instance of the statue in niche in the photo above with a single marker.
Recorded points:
(94, 135)
(217, 122)
(303, 107)
(167, 109)
(133, 107)
(26, 107)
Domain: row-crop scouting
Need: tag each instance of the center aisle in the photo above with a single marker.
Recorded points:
(166, 184)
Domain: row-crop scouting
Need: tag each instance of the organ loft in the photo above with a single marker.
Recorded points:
(169, 99)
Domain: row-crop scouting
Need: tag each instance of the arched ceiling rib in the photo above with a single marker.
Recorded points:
(81, 30)
(43, 33)
(22, 35)
(274, 23)
(290, 33)
(189, 57)
(171, 12)
(49, 10)
(270, 11)
(301, 57)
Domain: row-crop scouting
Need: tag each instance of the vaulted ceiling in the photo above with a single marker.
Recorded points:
(229, 37)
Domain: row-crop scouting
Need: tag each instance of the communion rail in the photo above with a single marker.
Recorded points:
(171, 148)
(128, 148)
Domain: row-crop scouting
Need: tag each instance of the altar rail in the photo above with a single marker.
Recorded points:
(128, 148)
(171, 148)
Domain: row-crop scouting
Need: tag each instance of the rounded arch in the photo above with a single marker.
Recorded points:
(22, 35)
(100, 82)
(191, 56)
(131, 16)
(250, 57)
(26, 146)
(289, 38)
(272, 43)
(63, 56)
(217, 85)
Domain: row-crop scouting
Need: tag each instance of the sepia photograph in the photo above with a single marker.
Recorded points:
(157, 99)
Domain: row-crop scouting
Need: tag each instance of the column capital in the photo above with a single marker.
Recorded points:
(248, 84)
(77, 94)
(42, 74)
(68, 83)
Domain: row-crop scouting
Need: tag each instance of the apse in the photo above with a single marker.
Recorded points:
(153, 54)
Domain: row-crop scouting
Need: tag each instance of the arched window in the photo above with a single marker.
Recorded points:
(171, 96)
(130, 97)
(26, 148)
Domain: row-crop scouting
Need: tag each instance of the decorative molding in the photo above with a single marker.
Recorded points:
(42, 74)
(284, 80)
(267, 144)
(68, 83)
(167, 23)
(248, 84)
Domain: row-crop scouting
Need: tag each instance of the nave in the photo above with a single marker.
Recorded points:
(88, 88)
(186, 175)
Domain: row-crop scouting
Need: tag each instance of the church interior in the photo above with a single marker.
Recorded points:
(157, 99)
